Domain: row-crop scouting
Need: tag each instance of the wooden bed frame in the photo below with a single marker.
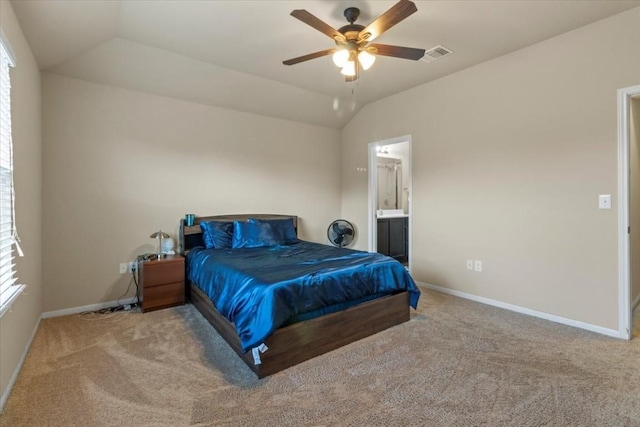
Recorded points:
(300, 341)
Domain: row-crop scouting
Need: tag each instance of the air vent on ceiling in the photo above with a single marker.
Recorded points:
(436, 53)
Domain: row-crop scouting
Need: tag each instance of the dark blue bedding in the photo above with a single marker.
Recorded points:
(260, 289)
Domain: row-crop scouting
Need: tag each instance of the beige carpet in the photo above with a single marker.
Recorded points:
(456, 363)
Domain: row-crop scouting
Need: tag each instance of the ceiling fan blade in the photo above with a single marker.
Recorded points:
(395, 51)
(349, 79)
(318, 24)
(313, 55)
(391, 17)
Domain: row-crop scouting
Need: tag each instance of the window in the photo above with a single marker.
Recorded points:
(8, 236)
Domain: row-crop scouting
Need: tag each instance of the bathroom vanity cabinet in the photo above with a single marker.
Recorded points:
(393, 238)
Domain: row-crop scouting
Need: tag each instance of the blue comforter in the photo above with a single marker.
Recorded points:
(260, 289)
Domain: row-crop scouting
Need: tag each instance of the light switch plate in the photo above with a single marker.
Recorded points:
(604, 201)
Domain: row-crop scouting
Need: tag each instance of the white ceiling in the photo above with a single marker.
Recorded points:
(230, 53)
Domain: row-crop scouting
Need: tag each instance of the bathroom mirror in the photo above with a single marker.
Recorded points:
(389, 183)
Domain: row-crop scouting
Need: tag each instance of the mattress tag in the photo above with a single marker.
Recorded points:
(256, 356)
(263, 348)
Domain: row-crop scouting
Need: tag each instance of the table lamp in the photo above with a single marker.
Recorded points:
(159, 235)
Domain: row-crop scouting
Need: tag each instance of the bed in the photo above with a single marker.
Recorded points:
(298, 327)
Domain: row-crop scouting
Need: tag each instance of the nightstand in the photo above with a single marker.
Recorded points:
(161, 282)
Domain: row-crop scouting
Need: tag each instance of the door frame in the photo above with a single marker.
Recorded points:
(373, 194)
(625, 309)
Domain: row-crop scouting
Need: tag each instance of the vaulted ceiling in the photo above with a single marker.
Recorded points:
(230, 53)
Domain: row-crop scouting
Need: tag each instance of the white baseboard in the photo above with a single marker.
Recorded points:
(16, 371)
(91, 307)
(552, 317)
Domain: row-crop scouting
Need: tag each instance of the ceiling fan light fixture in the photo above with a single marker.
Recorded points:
(353, 52)
(366, 59)
(349, 69)
(340, 57)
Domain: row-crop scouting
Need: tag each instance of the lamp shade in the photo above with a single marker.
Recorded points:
(340, 57)
(366, 59)
(160, 235)
(349, 69)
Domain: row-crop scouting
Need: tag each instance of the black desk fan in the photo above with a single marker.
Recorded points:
(341, 233)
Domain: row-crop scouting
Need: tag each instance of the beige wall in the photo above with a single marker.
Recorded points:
(119, 165)
(508, 160)
(17, 325)
(634, 191)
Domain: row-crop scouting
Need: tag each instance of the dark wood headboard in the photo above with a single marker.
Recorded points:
(191, 236)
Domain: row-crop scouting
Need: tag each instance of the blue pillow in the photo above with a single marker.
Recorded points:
(217, 234)
(283, 229)
(253, 234)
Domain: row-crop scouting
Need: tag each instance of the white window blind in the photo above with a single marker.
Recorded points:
(8, 236)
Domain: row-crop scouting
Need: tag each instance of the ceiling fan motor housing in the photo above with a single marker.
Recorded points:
(351, 31)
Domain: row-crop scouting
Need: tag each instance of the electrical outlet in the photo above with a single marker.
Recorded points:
(477, 266)
(132, 266)
(470, 264)
(123, 267)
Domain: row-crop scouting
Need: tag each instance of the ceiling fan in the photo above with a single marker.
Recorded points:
(354, 50)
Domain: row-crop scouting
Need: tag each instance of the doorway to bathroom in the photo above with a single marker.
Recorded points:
(390, 179)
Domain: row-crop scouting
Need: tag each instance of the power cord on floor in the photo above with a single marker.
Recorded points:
(120, 307)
